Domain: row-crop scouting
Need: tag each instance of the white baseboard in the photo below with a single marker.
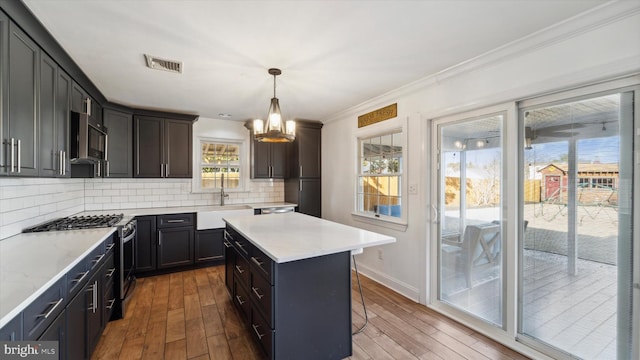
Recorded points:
(404, 289)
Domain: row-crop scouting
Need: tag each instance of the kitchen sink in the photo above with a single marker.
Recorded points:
(212, 217)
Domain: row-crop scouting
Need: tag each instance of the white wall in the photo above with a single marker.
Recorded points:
(600, 45)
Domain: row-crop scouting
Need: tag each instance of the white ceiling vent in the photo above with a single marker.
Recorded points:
(163, 64)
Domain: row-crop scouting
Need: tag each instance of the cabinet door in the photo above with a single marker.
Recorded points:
(308, 143)
(309, 199)
(146, 240)
(94, 310)
(148, 151)
(208, 245)
(12, 331)
(178, 148)
(57, 332)
(76, 326)
(78, 99)
(23, 83)
(279, 154)
(62, 114)
(120, 150)
(229, 265)
(261, 160)
(48, 154)
(175, 247)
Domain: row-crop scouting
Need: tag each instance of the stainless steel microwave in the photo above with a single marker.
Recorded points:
(88, 139)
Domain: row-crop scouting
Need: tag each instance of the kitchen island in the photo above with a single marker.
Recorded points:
(289, 275)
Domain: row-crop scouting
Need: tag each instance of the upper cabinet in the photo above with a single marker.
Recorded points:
(21, 121)
(163, 146)
(81, 102)
(268, 160)
(304, 160)
(119, 162)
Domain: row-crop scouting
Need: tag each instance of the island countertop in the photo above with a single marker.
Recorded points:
(294, 236)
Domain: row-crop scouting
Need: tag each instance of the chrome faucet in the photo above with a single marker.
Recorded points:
(222, 194)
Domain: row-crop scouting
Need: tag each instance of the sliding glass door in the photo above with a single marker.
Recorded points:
(470, 198)
(577, 240)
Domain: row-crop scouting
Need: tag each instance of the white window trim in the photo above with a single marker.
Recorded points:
(383, 128)
(197, 163)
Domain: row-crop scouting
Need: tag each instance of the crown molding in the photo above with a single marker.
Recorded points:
(590, 20)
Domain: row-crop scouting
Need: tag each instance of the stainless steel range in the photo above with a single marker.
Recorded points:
(124, 251)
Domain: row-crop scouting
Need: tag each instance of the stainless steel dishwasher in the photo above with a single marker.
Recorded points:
(274, 210)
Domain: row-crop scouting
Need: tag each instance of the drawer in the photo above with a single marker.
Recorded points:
(241, 270)
(262, 264)
(261, 293)
(175, 220)
(240, 243)
(241, 299)
(109, 272)
(110, 244)
(43, 310)
(109, 301)
(262, 332)
(96, 257)
(77, 277)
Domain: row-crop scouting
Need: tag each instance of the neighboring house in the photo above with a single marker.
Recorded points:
(596, 183)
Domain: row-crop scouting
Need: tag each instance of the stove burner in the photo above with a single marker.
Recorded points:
(77, 222)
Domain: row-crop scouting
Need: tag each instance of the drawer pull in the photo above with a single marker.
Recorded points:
(226, 244)
(239, 269)
(239, 245)
(255, 291)
(256, 261)
(97, 259)
(175, 221)
(110, 246)
(79, 280)
(110, 272)
(240, 301)
(111, 302)
(55, 305)
(255, 329)
(227, 236)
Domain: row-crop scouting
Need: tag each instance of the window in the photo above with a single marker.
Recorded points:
(380, 175)
(220, 160)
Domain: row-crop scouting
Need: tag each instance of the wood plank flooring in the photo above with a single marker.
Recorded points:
(189, 315)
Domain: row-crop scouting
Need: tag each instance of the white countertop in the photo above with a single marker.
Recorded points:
(295, 236)
(30, 263)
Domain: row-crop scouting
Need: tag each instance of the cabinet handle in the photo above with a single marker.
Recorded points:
(55, 305)
(240, 301)
(228, 236)
(97, 259)
(87, 103)
(111, 302)
(255, 291)
(239, 245)
(110, 272)
(98, 169)
(19, 153)
(13, 155)
(95, 296)
(79, 280)
(110, 246)
(175, 221)
(300, 185)
(60, 163)
(300, 170)
(257, 261)
(161, 170)
(107, 170)
(226, 244)
(239, 269)
(166, 170)
(64, 162)
(255, 329)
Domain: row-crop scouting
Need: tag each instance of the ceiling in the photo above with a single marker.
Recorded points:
(333, 54)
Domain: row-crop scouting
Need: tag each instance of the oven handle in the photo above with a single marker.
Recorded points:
(130, 236)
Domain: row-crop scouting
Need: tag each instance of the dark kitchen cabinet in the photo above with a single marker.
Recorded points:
(303, 187)
(12, 331)
(175, 240)
(57, 331)
(4, 93)
(82, 102)
(53, 126)
(119, 162)
(21, 123)
(162, 147)
(268, 160)
(146, 242)
(209, 245)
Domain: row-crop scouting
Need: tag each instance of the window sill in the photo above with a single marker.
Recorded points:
(386, 222)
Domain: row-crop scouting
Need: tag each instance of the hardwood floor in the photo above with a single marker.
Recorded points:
(189, 315)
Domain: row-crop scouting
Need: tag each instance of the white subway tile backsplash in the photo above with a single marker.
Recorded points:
(25, 202)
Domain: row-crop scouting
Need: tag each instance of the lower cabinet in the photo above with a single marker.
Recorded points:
(164, 241)
(146, 244)
(175, 247)
(209, 246)
(12, 331)
(294, 310)
(57, 331)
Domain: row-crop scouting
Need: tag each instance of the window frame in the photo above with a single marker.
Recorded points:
(381, 129)
(244, 171)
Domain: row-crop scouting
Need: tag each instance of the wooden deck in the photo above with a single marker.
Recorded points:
(574, 313)
(189, 315)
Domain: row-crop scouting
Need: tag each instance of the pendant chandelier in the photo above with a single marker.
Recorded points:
(275, 129)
